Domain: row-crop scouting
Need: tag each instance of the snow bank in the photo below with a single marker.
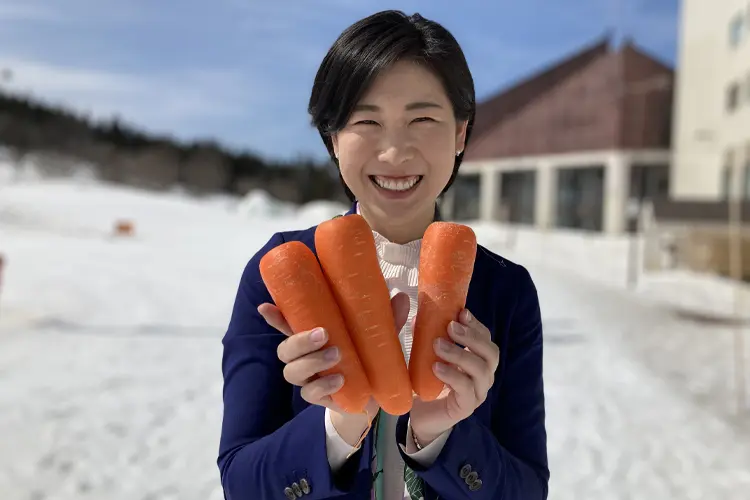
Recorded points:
(321, 210)
(259, 204)
(605, 259)
(34, 168)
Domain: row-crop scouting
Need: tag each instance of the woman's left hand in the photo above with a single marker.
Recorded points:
(468, 375)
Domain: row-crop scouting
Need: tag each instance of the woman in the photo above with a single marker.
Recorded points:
(394, 103)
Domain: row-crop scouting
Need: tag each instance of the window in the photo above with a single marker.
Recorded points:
(726, 181)
(736, 26)
(733, 96)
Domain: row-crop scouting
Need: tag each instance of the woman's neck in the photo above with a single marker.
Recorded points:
(399, 231)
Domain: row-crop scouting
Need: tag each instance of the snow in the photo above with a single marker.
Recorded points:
(259, 204)
(110, 350)
(605, 260)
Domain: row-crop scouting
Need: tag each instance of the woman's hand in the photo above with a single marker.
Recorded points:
(304, 359)
(468, 375)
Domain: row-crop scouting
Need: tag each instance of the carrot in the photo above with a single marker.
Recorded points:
(446, 263)
(346, 249)
(297, 285)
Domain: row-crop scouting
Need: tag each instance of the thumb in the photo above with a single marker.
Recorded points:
(400, 306)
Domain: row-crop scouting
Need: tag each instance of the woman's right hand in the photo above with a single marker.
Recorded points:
(304, 358)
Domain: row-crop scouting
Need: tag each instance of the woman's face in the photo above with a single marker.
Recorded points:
(397, 151)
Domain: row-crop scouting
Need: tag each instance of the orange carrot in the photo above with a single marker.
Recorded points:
(300, 291)
(446, 263)
(347, 253)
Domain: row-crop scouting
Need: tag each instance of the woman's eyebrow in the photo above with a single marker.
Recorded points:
(409, 107)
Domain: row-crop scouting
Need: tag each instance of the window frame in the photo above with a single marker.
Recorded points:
(733, 97)
(727, 175)
(736, 30)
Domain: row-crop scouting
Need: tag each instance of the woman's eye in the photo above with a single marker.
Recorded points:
(424, 119)
(366, 122)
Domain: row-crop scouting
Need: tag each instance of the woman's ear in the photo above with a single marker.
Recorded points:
(461, 127)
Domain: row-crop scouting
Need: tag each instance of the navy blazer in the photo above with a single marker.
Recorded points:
(273, 442)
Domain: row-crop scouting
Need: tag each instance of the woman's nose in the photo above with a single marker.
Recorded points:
(396, 149)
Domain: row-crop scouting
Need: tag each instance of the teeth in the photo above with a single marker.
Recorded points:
(396, 184)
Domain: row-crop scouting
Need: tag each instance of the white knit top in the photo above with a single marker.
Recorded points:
(400, 267)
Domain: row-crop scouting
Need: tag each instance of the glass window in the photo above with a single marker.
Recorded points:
(726, 180)
(736, 26)
(733, 96)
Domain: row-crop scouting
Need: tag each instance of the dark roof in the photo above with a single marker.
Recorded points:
(511, 99)
(491, 137)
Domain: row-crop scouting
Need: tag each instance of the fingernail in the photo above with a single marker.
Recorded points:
(318, 335)
(467, 316)
(439, 367)
(332, 353)
(458, 329)
(442, 345)
(337, 381)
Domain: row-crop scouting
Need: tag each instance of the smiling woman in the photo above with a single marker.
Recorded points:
(397, 119)
(394, 103)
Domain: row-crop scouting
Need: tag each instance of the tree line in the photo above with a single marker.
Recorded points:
(121, 153)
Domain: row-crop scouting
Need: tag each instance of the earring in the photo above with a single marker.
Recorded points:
(458, 153)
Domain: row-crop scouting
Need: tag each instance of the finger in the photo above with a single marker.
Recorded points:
(401, 306)
(301, 344)
(302, 370)
(466, 318)
(469, 363)
(461, 385)
(319, 391)
(477, 342)
(273, 317)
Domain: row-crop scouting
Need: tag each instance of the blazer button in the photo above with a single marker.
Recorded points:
(305, 486)
(297, 490)
(472, 477)
(475, 485)
(465, 471)
(289, 493)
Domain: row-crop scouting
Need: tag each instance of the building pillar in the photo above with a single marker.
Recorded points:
(489, 194)
(545, 197)
(447, 204)
(616, 192)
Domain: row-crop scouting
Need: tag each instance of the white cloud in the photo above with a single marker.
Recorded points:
(159, 102)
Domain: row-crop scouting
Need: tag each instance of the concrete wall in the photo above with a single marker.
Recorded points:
(705, 131)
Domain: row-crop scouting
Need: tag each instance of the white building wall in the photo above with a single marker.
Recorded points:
(616, 182)
(710, 59)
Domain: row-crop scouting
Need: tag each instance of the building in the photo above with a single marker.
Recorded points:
(712, 98)
(571, 145)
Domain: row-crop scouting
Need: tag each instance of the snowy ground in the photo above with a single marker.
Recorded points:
(110, 357)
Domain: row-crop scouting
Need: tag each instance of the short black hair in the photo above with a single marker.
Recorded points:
(373, 44)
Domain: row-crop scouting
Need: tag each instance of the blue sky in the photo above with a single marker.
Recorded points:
(240, 71)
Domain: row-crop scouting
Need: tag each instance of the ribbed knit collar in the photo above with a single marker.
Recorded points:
(406, 254)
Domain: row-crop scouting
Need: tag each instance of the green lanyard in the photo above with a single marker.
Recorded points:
(413, 483)
(379, 438)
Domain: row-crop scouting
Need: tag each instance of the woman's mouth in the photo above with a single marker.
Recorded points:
(396, 184)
